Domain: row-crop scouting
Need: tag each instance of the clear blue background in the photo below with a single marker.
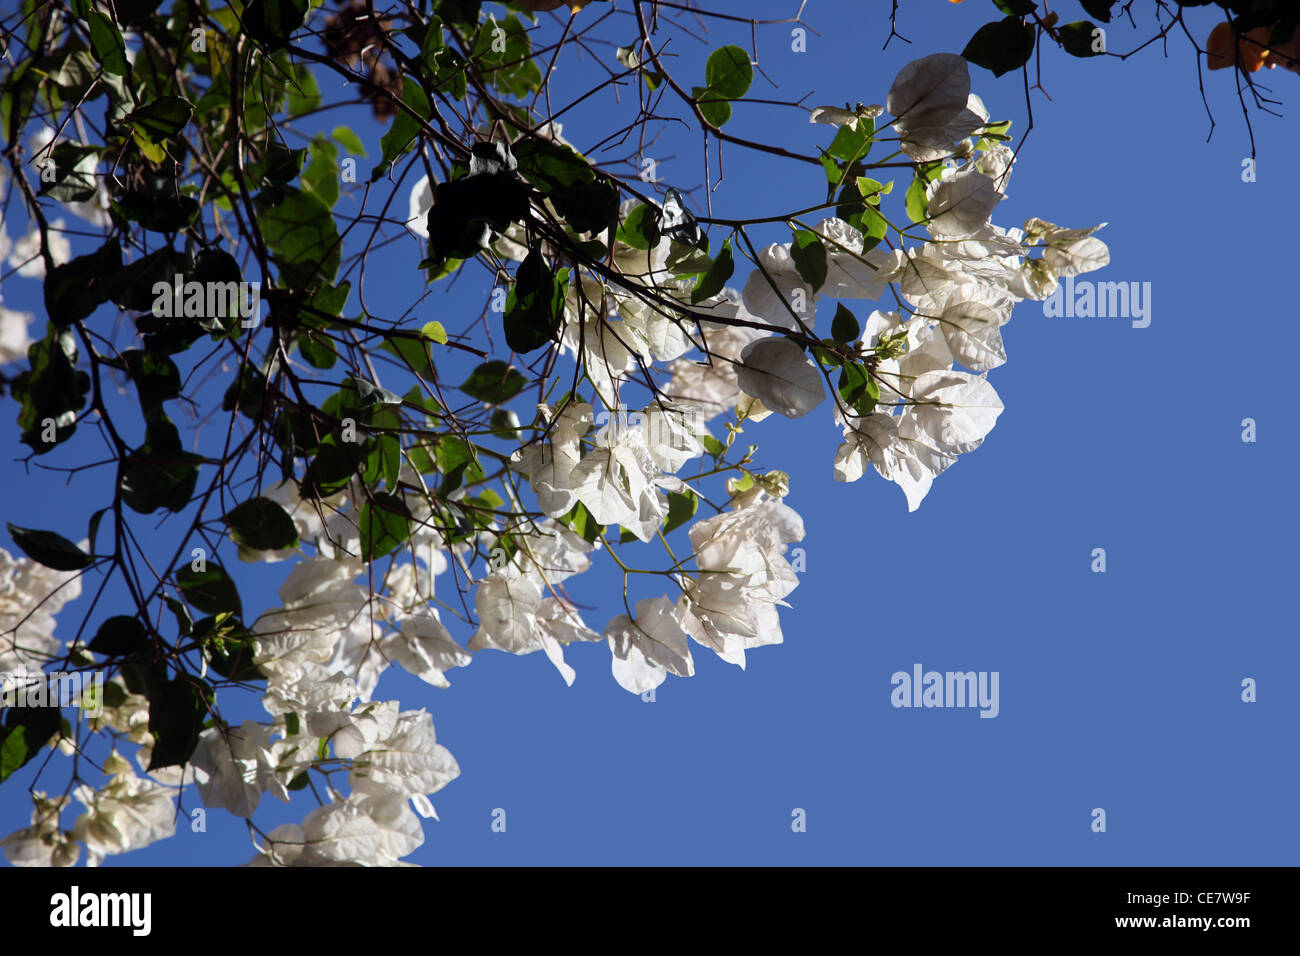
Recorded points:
(1118, 690)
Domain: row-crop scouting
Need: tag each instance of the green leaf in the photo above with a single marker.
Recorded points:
(156, 377)
(1002, 46)
(385, 525)
(463, 12)
(177, 711)
(261, 524)
(52, 390)
(858, 389)
(845, 327)
(370, 395)
(331, 469)
(715, 108)
(728, 72)
(715, 277)
(119, 636)
(26, 731)
(581, 522)
(184, 623)
(434, 332)
(638, 228)
(405, 129)
(550, 166)
(852, 140)
(1082, 38)
(50, 549)
(272, 21)
(349, 140)
(494, 382)
(319, 351)
(77, 288)
(74, 167)
(301, 234)
(918, 205)
(534, 307)
(389, 450)
(210, 590)
(157, 203)
(162, 119)
(713, 446)
(304, 93)
(159, 474)
(278, 166)
(809, 257)
(1016, 8)
(1096, 8)
(682, 506)
(587, 207)
(872, 189)
(457, 462)
(106, 41)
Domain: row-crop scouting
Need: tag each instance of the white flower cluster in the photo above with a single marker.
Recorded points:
(324, 649)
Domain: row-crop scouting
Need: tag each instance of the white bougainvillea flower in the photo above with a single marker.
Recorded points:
(30, 596)
(744, 575)
(506, 606)
(128, 813)
(933, 107)
(971, 323)
(866, 443)
(233, 769)
(43, 843)
(710, 384)
(424, 648)
(605, 343)
(549, 464)
(619, 483)
(656, 335)
(671, 435)
(651, 647)
(750, 543)
(363, 830)
(953, 411)
(778, 373)
(850, 272)
(961, 204)
(320, 602)
(775, 293)
(552, 553)
(559, 624)
(1069, 251)
(406, 761)
(926, 280)
(419, 204)
(833, 116)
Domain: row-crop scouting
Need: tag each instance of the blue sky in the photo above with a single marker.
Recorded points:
(1119, 690)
